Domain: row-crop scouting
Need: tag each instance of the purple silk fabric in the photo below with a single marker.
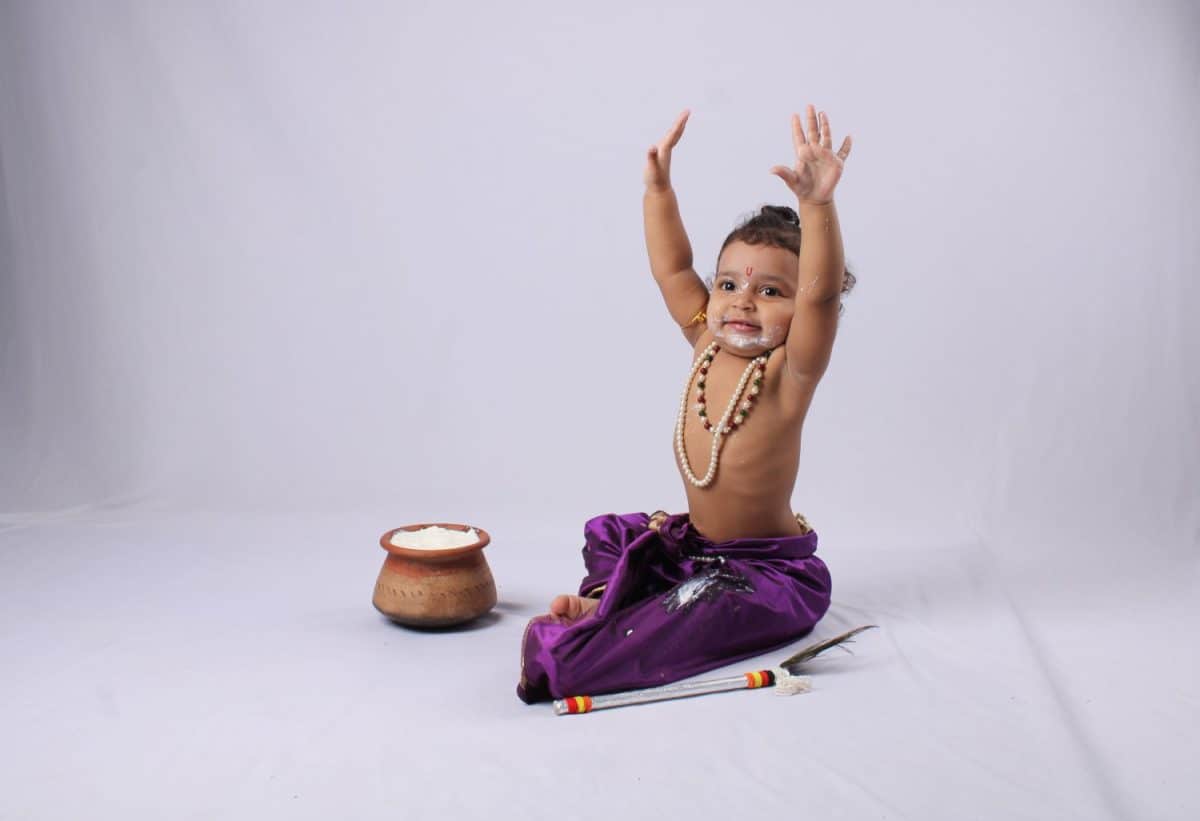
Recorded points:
(641, 635)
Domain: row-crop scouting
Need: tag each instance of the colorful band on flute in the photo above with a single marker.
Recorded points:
(579, 704)
(761, 678)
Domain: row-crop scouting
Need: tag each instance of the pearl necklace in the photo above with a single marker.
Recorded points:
(723, 428)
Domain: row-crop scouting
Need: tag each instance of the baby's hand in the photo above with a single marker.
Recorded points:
(817, 169)
(658, 158)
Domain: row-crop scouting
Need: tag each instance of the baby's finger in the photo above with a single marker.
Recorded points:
(677, 129)
(784, 173)
(826, 132)
(844, 151)
(814, 131)
(654, 168)
(798, 141)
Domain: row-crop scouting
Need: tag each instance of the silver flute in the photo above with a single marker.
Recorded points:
(745, 681)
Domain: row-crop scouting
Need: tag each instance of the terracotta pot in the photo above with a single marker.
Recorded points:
(434, 587)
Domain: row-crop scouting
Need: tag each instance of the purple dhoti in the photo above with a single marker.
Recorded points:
(674, 604)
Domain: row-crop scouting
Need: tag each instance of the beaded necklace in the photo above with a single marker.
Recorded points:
(733, 417)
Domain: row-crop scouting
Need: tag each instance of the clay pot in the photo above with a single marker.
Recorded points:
(434, 587)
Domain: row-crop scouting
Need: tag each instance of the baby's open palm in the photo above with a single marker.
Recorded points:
(818, 168)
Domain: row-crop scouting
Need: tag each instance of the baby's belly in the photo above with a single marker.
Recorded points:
(747, 499)
(721, 522)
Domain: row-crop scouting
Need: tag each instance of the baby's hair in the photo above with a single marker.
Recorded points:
(776, 226)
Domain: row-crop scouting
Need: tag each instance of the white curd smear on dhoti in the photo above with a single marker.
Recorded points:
(434, 538)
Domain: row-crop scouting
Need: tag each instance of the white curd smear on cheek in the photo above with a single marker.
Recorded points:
(434, 538)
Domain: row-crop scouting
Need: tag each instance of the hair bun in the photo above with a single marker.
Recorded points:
(781, 212)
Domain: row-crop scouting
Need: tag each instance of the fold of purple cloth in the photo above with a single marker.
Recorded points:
(674, 605)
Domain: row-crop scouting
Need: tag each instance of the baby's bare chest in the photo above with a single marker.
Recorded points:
(763, 419)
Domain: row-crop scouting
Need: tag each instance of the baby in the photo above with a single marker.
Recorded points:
(670, 596)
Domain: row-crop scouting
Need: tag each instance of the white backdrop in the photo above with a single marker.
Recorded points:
(297, 256)
(385, 260)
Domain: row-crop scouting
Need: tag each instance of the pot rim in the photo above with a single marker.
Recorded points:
(385, 541)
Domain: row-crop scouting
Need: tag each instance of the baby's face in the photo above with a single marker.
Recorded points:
(753, 298)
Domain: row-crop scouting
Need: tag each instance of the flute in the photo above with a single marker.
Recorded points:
(747, 681)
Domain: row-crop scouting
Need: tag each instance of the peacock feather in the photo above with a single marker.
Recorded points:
(793, 664)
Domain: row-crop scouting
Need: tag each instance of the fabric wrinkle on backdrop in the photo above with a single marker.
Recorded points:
(277, 279)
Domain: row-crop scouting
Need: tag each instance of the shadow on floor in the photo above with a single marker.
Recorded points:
(492, 617)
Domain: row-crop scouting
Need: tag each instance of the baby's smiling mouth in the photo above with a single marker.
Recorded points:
(741, 325)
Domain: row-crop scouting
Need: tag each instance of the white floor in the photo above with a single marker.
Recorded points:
(200, 667)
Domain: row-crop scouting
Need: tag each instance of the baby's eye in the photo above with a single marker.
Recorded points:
(769, 291)
(725, 282)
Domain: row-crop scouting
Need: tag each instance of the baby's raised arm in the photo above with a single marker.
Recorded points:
(822, 265)
(667, 241)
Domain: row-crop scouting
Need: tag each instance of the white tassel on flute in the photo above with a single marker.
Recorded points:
(785, 679)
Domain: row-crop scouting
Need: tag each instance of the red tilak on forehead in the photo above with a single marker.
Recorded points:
(749, 270)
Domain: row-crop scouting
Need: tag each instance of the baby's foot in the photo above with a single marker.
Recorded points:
(572, 608)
